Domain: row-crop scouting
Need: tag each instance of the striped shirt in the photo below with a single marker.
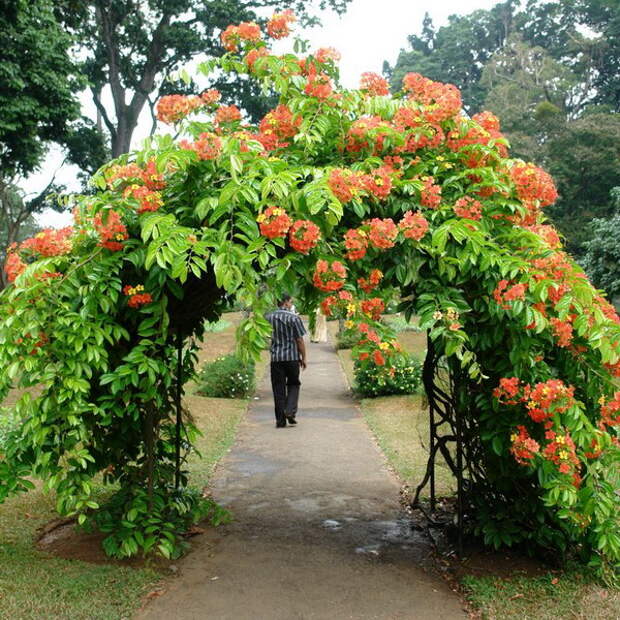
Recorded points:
(286, 328)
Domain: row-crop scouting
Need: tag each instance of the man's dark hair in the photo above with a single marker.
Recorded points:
(283, 299)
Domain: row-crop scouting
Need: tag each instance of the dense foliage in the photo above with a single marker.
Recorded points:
(228, 376)
(602, 256)
(351, 195)
(546, 67)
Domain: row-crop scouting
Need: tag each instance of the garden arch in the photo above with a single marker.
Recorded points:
(352, 195)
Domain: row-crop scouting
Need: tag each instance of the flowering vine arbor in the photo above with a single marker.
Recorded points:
(353, 196)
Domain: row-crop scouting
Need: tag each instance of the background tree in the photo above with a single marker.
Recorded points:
(549, 70)
(133, 46)
(602, 257)
(38, 82)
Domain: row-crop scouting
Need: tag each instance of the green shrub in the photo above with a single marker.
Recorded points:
(227, 377)
(403, 376)
(347, 339)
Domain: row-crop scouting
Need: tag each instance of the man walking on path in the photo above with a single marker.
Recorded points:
(288, 354)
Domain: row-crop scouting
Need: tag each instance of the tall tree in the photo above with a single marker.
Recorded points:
(132, 46)
(38, 82)
(457, 52)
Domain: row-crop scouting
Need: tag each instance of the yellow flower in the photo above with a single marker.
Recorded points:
(349, 324)
(514, 437)
(351, 308)
(384, 346)
(560, 439)
(563, 454)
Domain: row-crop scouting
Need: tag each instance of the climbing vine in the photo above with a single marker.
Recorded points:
(350, 196)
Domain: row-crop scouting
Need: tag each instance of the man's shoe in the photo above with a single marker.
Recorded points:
(291, 420)
(280, 424)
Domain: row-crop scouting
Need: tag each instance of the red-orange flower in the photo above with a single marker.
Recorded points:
(468, 208)
(413, 225)
(373, 307)
(345, 184)
(430, 195)
(374, 278)
(274, 222)
(173, 108)
(382, 233)
(304, 235)
(374, 84)
(227, 114)
(112, 232)
(356, 242)
(279, 26)
(329, 276)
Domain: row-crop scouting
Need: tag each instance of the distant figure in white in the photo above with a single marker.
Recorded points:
(319, 334)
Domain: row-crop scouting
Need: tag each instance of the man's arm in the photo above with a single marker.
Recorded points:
(301, 346)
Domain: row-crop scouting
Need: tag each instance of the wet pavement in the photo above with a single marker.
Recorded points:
(318, 531)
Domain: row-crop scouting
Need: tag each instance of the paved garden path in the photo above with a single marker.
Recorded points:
(316, 532)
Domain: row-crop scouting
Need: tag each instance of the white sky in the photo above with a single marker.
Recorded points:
(370, 32)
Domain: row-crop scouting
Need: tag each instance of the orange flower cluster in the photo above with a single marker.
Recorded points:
(370, 284)
(173, 108)
(304, 235)
(233, 35)
(468, 208)
(279, 124)
(533, 184)
(329, 276)
(327, 54)
(356, 242)
(523, 447)
(279, 26)
(319, 85)
(413, 225)
(274, 222)
(374, 84)
(345, 184)
(561, 451)
(430, 195)
(208, 146)
(548, 234)
(124, 173)
(610, 412)
(148, 175)
(227, 114)
(112, 232)
(426, 136)
(382, 233)
(253, 55)
(148, 200)
(443, 101)
(14, 265)
(505, 292)
(136, 296)
(378, 182)
(50, 242)
(336, 302)
(563, 332)
(367, 133)
(373, 307)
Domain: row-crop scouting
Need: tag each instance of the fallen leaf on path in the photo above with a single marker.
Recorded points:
(555, 581)
(512, 598)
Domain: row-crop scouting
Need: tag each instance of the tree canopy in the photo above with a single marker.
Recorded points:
(352, 194)
(133, 47)
(546, 67)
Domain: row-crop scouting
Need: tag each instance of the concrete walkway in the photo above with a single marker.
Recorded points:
(316, 532)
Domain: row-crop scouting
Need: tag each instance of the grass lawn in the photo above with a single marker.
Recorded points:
(35, 584)
(400, 425)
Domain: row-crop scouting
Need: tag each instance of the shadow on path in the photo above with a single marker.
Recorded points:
(316, 531)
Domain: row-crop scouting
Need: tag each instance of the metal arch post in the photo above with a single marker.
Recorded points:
(179, 414)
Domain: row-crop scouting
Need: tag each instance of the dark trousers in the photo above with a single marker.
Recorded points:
(285, 384)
